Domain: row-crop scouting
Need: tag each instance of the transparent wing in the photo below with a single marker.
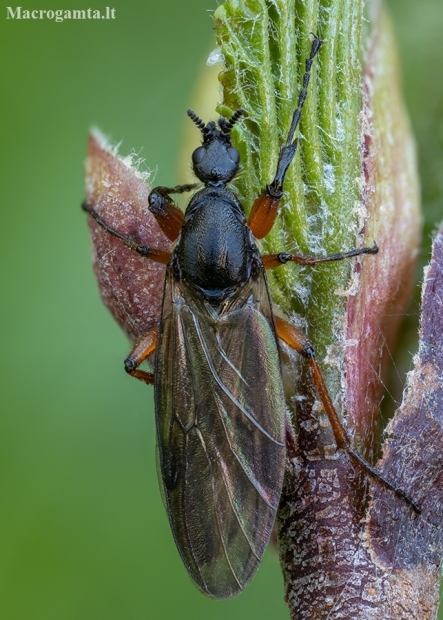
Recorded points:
(220, 420)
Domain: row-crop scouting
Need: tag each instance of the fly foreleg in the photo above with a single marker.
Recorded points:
(155, 254)
(298, 341)
(265, 208)
(166, 212)
(270, 261)
(141, 351)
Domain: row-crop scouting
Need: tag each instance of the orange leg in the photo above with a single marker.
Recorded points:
(159, 256)
(141, 351)
(265, 208)
(270, 261)
(166, 212)
(298, 341)
(264, 212)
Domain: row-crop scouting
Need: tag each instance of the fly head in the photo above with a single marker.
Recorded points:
(216, 161)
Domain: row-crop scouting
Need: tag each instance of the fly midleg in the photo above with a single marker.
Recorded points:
(298, 341)
(155, 254)
(166, 212)
(141, 351)
(270, 261)
(265, 208)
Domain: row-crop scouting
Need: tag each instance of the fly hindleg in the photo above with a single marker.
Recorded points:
(298, 341)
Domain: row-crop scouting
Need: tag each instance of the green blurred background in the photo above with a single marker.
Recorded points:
(83, 534)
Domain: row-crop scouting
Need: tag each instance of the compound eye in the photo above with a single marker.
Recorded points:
(198, 154)
(234, 155)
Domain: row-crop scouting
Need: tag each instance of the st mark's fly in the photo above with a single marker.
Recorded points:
(220, 408)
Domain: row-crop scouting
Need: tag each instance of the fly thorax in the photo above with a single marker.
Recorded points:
(214, 250)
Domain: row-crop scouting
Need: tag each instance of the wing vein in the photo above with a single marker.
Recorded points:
(228, 491)
(202, 581)
(225, 389)
(202, 441)
(234, 510)
(222, 414)
(252, 479)
(228, 361)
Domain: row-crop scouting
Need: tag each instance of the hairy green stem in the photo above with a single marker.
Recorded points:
(264, 45)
